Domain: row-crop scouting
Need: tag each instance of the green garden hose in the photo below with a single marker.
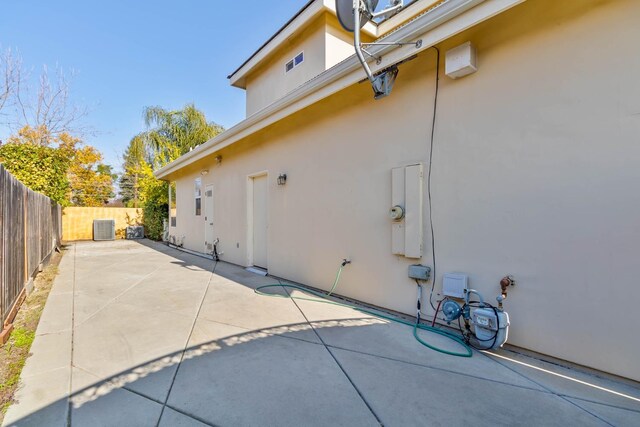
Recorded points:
(323, 299)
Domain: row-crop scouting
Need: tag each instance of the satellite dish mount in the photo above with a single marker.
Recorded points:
(355, 14)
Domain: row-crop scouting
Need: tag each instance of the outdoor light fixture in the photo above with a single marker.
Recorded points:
(218, 160)
(204, 172)
(282, 179)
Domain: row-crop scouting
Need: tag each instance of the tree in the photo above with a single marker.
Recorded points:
(174, 133)
(76, 169)
(43, 169)
(170, 134)
(34, 136)
(48, 111)
(134, 158)
(91, 182)
(10, 73)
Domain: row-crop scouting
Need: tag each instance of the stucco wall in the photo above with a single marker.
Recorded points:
(324, 45)
(339, 43)
(535, 174)
(270, 82)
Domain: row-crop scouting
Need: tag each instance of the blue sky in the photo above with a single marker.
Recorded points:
(135, 53)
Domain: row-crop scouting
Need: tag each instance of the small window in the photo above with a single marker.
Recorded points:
(299, 59)
(198, 194)
(289, 66)
(173, 212)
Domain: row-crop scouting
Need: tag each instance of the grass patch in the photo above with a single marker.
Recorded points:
(15, 352)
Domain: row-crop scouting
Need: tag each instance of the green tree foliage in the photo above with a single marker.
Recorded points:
(174, 133)
(59, 166)
(43, 169)
(135, 157)
(156, 204)
(170, 134)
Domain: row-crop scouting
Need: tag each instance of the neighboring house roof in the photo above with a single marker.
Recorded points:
(449, 18)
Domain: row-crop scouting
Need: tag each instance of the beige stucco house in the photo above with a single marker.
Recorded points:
(534, 169)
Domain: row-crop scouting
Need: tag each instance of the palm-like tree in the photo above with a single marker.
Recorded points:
(174, 133)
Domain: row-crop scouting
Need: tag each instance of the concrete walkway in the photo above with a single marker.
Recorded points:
(137, 334)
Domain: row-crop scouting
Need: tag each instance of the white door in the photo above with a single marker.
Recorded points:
(260, 224)
(209, 236)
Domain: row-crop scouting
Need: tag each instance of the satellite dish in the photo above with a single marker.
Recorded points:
(346, 13)
(353, 15)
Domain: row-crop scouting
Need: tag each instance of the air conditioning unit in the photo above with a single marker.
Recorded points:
(135, 232)
(104, 229)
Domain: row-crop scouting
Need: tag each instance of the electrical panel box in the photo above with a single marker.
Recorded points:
(454, 285)
(407, 185)
(460, 61)
(419, 272)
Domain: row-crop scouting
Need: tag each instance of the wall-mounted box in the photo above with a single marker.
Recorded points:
(407, 192)
(419, 272)
(460, 61)
(455, 285)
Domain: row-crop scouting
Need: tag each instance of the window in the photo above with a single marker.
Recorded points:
(299, 59)
(198, 196)
(172, 203)
(289, 66)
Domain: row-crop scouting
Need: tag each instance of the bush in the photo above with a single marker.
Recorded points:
(154, 216)
(156, 208)
(42, 169)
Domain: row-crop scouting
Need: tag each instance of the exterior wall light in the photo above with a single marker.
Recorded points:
(282, 179)
(204, 172)
(218, 160)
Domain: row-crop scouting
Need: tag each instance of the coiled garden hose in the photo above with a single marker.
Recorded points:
(323, 299)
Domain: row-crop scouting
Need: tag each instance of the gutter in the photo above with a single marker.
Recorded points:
(349, 71)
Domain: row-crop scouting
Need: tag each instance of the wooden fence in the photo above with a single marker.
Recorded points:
(30, 229)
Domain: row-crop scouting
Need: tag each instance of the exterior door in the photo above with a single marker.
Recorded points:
(260, 224)
(209, 235)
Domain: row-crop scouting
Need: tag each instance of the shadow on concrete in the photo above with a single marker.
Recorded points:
(227, 373)
(368, 372)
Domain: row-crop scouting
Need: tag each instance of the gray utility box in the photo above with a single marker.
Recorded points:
(419, 272)
(135, 232)
(104, 229)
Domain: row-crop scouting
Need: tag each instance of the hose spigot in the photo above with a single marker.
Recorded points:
(505, 282)
(345, 261)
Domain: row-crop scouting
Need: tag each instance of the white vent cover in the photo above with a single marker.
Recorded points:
(104, 229)
(460, 61)
(454, 285)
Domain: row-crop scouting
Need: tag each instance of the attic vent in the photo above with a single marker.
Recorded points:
(104, 229)
(299, 59)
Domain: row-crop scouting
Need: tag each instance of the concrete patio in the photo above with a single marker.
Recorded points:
(136, 334)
